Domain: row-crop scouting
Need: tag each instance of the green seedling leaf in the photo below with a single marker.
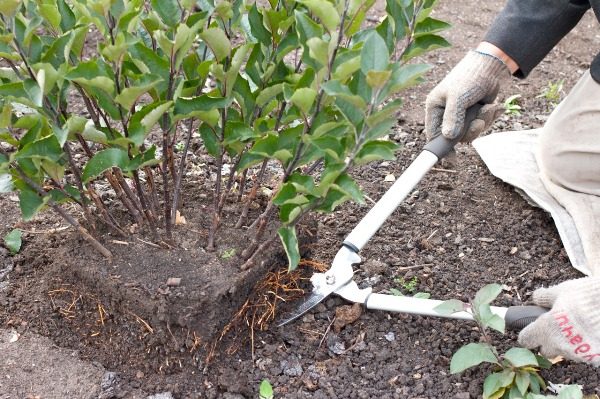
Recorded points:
(374, 55)
(497, 382)
(228, 253)
(449, 307)
(471, 355)
(265, 391)
(571, 392)
(288, 238)
(13, 241)
(325, 11)
(396, 292)
(489, 319)
(522, 381)
(543, 362)
(103, 160)
(520, 357)
(486, 295)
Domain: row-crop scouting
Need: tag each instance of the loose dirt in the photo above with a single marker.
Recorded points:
(460, 230)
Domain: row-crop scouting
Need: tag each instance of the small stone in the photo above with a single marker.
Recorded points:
(390, 178)
(513, 250)
(139, 374)
(390, 336)
(162, 395)
(417, 376)
(292, 367)
(173, 282)
(109, 380)
(462, 395)
(525, 255)
(373, 267)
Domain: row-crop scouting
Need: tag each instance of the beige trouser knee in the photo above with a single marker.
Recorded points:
(569, 161)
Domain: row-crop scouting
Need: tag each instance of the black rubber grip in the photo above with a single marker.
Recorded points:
(441, 146)
(519, 317)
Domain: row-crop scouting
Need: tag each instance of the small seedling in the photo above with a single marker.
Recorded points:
(228, 253)
(265, 391)
(515, 372)
(511, 105)
(552, 93)
(407, 285)
(12, 241)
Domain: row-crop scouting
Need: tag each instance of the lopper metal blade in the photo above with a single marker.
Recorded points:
(326, 283)
(313, 300)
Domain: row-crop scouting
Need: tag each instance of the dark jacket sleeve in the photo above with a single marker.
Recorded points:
(527, 30)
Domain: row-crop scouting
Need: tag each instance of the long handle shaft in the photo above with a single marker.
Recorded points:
(516, 317)
(373, 220)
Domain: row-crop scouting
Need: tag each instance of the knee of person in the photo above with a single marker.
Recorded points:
(554, 162)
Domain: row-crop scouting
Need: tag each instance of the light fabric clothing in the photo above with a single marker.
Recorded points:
(558, 167)
(569, 160)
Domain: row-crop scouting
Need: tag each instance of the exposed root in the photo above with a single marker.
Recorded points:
(260, 309)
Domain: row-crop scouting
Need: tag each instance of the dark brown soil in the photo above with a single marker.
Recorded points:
(460, 227)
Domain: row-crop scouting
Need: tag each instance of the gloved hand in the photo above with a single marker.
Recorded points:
(476, 78)
(572, 327)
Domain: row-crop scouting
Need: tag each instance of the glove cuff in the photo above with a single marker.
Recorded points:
(589, 292)
(488, 65)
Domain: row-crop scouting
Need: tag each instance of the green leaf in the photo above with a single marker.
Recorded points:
(497, 382)
(129, 96)
(168, 10)
(93, 74)
(186, 107)
(570, 392)
(218, 42)
(288, 238)
(374, 55)
(520, 357)
(449, 307)
(486, 295)
(406, 76)
(303, 99)
(8, 7)
(12, 241)
(489, 319)
(30, 203)
(265, 390)
(325, 11)
(46, 148)
(350, 187)
(430, 25)
(423, 44)
(51, 14)
(268, 93)
(471, 355)
(211, 142)
(103, 160)
(543, 362)
(522, 381)
(257, 28)
(376, 150)
(378, 79)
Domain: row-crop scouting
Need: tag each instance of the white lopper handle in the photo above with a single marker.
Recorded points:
(373, 220)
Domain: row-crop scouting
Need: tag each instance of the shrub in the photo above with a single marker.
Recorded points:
(103, 91)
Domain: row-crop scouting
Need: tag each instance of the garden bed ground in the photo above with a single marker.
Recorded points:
(460, 230)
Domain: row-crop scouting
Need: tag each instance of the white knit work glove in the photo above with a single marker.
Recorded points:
(572, 327)
(476, 78)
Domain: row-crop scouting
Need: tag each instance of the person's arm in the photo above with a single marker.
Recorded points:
(526, 30)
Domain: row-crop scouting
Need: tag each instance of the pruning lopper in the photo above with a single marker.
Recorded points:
(338, 279)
